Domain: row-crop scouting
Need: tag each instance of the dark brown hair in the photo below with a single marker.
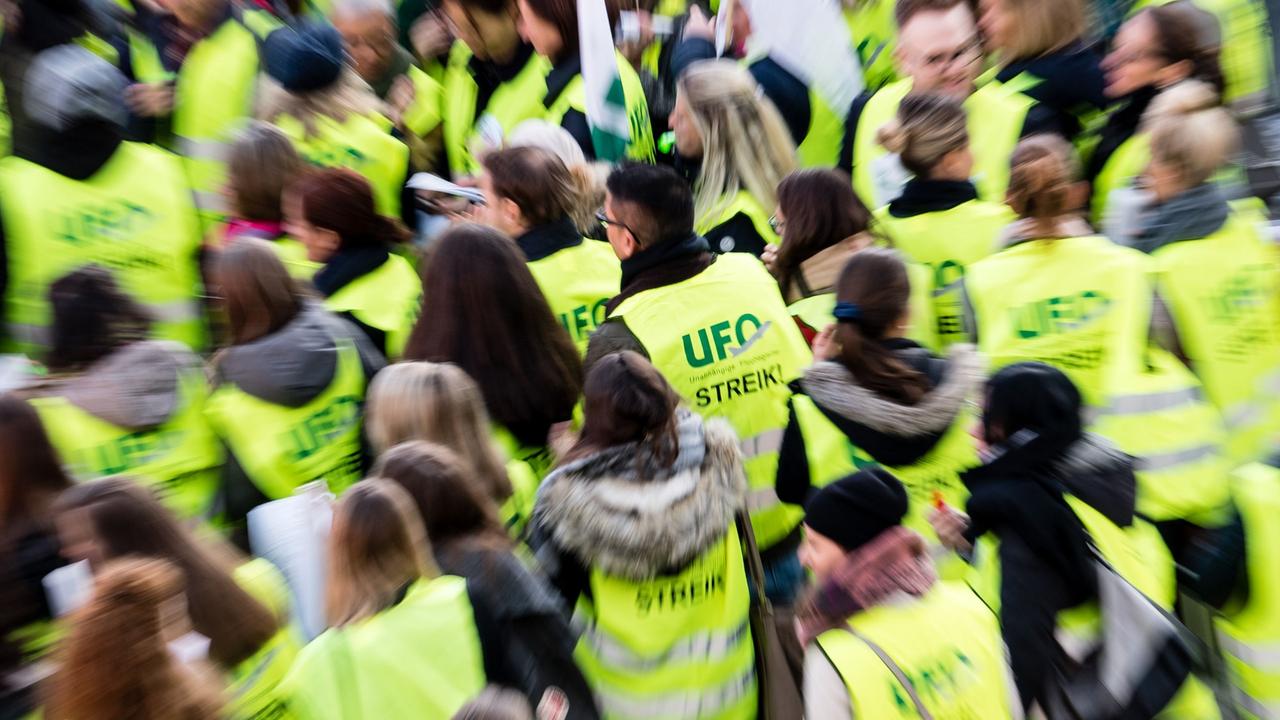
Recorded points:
(483, 311)
(341, 200)
(821, 210)
(563, 14)
(1179, 37)
(259, 295)
(451, 505)
(626, 400)
(126, 519)
(538, 182)
(1041, 174)
(261, 164)
(30, 472)
(875, 280)
(91, 318)
(904, 10)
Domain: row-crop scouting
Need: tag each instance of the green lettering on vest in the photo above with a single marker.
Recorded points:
(1058, 314)
(747, 329)
(323, 427)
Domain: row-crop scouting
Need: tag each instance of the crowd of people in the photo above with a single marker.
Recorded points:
(639, 360)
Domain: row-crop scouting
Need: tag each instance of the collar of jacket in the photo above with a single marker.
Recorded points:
(347, 266)
(835, 390)
(920, 196)
(623, 512)
(1049, 63)
(546, 240)
(78, 153)
(498, 73)
(666, 263)
(1189, 215)
(562, 73)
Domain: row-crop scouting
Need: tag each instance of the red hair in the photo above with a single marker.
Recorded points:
(341, 200)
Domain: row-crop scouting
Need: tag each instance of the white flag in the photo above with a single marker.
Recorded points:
(606, 102)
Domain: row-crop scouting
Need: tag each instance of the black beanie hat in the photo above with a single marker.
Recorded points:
(855, 509)
(308, 57)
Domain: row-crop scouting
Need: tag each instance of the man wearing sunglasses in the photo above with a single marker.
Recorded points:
(938, 51)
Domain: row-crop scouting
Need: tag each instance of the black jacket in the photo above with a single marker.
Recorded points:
(1071, 83)
(891, 433)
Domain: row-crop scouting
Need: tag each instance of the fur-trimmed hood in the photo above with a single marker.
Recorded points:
(621, 511)
(834, 388)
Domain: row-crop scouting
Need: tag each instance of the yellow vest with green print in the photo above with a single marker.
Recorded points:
(388, 299)
(1249, 633)
(874, 33)
(180, 459)
(1080, 304)
(1176, 437)
(253, 690)
(1090, 119)
(283, 448)
(1223, 292)
(1245, 47)
(832, 456)
(213, 96)
(577, 282)
(517, 510)
(995, 120)
(674, 646)
(746, 204)
(946, 242)
(947, 643)
(133, 217)
(537, 458)
(423, 114)
(727, 344)
(419, 659)
(362, 143)
(574, 97)
(467, 129)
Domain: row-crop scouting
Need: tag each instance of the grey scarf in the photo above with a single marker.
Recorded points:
(1190, 215)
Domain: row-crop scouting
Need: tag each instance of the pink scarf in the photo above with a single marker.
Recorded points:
(896, 560)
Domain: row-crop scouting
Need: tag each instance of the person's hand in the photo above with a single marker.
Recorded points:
(949, 524)
(632, 49)
(770, 258)
(699, 25)
(149, 99)
(399, 98)
(825, 345)
(430, 36)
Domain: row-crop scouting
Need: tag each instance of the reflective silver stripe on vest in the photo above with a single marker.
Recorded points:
(953, 286)
(1249, 412)
(1265, 709)
(688, 704)
(28, 334)
(1157, 462)
(762, 499)
(769, 441)
(1264, 656)
(199, 149)
(1152, 402)
(707, 647)
(210, 201)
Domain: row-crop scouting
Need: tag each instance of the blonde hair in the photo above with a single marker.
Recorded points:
(347, 96)
(1191, 131)
(1043, 26)
(588, 177)
(377, 548)
(115, 662)
(439, 403)
(927, 128)
(746, 145)
(1042, 171)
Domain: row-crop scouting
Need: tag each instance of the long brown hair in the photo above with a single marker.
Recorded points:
(377, 549)
(262, 162)
(452, 508)
(627, 400)
(875, 281)
(563, 14)
(483, 311)
(822, 211)
(539, 183)
(115, 662)
(31, 475)
(341, 200)
(439, 403)
(1179, 37)
(259, 295)
(126, 519)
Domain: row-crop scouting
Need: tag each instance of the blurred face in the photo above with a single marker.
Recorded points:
(819, 554)
(940, 52)
(688, 138)
(997, 24)
(1163, 180)
(321, 244)
(1135, 62)
(370, 39)
(621, 239)
(498, 212)
(538, 32)
(77, 538)
(488, 36)
(194, 14)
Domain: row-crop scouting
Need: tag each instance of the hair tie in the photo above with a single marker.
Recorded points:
(847, 312)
